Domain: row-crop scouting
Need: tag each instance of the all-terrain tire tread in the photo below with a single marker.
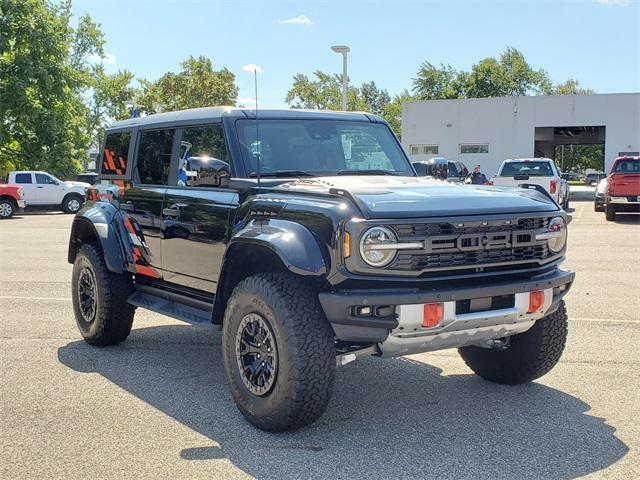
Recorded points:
(310, 339)
(531, 354)
(114, 316)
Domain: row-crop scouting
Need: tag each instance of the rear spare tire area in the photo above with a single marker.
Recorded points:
(279, 352)
(72, 203)
(7, 208)
(103, 315)
(525, 356)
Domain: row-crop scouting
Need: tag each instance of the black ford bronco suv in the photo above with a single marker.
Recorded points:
(309, 239)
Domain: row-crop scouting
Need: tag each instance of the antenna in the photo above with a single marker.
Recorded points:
(258, 146)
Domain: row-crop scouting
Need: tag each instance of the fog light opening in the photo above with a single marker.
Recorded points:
(536, 301)
(432, 314)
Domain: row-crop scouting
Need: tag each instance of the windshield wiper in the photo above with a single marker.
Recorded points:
(365, 172)
(283, 173)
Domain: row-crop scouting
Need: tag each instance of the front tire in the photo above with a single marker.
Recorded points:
(609, 213)
(7, 208)
(72, 203)
(528, 355)
(103, 315)
(279, 352)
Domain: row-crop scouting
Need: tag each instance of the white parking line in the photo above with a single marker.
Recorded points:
(57, 299)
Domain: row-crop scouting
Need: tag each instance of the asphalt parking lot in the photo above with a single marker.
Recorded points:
(157, 405)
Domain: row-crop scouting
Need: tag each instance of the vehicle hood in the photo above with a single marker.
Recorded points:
(407, 197)
(72, 184)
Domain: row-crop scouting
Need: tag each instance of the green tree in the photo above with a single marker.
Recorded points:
(44, 71)
(571, 87)
(323, 93)
(197, 84)
(437, 83)
(374, 99)
(393, 110)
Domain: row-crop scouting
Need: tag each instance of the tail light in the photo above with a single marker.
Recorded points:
(432, 314)
(490, 182)
(552, 186)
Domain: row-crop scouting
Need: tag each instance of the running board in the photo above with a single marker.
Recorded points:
(171, 308)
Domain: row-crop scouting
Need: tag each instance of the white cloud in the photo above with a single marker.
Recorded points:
(108, 59)
(252, 67)
(299, 20)
(620, 3)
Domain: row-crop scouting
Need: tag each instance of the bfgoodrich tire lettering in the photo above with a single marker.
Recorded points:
(305, 351)
(528, 356)
(109, 321)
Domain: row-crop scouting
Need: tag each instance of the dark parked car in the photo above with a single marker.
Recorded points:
(442, 169)
(593, 179)
(308, 237)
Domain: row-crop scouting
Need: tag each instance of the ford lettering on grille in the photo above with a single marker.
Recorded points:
(470, 242)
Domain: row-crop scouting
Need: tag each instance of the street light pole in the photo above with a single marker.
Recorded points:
(343, 49)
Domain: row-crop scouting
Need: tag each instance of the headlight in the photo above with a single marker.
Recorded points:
(378, 246)
(557, 236)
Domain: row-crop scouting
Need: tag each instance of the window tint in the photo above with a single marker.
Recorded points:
(462, 170)
(204, 159)
(628, 166)
(474, 148)
(43, 179)
(534, 169)
(154, 156)
(23, 178)
(114, 155)
(453, 171)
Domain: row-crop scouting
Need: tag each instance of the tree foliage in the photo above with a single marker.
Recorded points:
(197, 84)
(578, 158)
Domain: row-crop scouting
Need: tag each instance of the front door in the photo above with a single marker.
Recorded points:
(47, 189)
(197, 211)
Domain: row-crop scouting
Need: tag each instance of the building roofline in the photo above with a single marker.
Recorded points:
(521, 97)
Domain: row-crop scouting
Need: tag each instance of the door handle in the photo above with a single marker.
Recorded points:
(170, 212)
(129, 207)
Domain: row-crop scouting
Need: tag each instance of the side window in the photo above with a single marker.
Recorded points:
(462, 169)
(204, 159)
(43, 179)
(23, 178)
(115, 153)
(154, 156)
(453, 171)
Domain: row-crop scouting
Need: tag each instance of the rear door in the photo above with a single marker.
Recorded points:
(141, 203)
(26, 181)
(197, 209)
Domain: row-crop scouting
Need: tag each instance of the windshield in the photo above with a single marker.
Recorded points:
(628, 166)
(533, 169)
(320, 147)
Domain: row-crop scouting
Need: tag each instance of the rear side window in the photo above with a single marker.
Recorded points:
(115, 153)
(23, 178)
(154, 156)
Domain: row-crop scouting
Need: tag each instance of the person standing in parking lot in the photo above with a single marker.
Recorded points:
(476, 177)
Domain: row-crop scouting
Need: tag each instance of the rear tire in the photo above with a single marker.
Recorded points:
(528, 356)
(7, 208)
(72, 203)
(103, 315)
(610, 213)
(279, 314)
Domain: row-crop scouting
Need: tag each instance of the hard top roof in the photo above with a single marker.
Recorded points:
(201, 115)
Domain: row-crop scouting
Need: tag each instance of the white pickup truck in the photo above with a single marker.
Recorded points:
(536, 171)
(43, 189)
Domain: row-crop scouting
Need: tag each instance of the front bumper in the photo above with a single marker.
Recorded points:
(340, 306)
(22, 204)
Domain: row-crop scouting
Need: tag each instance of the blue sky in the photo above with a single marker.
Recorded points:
(594, 41)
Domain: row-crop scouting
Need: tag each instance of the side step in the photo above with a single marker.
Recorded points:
(171, 308)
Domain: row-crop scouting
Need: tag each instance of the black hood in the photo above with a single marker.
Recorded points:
(413, 197)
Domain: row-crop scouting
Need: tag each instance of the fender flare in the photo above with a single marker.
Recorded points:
(292, 242)
(101, 221)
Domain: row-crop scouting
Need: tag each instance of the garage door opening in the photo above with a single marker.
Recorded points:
(574, 149)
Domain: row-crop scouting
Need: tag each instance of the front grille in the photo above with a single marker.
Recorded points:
(464, 244)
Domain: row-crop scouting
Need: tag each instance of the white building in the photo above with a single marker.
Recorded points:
(489, 130)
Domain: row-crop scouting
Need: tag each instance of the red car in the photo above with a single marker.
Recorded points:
(623, 187)
(11, 199)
